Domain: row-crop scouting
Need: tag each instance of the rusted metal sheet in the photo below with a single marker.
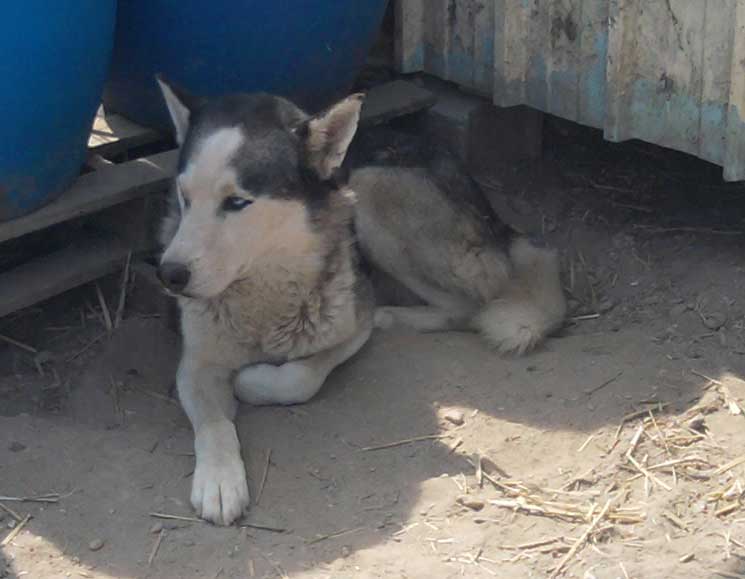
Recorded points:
(670, 72)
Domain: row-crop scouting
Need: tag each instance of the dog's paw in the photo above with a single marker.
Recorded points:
(256, 384)
(383, 319)
(290, 383)
(219, 492)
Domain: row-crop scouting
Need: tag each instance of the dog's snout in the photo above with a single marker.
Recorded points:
(174, 276)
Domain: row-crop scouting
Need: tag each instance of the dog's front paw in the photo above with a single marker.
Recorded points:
(219, 493)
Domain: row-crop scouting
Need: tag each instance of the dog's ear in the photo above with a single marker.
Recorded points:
(180, 105)
(328, 134)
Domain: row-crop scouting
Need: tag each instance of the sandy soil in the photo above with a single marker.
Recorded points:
(647, 245)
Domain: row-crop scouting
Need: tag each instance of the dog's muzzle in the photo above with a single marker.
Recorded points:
(174, 276)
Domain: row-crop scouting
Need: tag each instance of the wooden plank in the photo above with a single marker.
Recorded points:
(483, 48)
(718, 32)
(95, 191)
(734, 157)
(562, 58)
(459, 34)
(659, 91)
(623, 24)
(512, 46)
(409, 41)
(39, 279)
(593, 63)
(394, 99)
(436, 38)
(113, 134)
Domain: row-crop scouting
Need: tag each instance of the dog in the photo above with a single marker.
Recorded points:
(266, 242)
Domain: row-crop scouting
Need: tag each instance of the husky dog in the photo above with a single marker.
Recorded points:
(261, 250)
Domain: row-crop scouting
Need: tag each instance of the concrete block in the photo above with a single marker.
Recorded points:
(503, 135)
(481, 134)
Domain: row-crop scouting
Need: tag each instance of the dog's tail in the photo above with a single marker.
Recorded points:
(532, 303)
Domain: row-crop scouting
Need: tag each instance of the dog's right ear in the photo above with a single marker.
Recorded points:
(327, 135)
(180, 105)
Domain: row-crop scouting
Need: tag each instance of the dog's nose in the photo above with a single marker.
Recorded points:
(175, 276)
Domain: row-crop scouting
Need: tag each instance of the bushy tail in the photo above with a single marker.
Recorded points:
(531, 305)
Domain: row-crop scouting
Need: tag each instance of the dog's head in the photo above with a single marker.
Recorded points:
(253, 168)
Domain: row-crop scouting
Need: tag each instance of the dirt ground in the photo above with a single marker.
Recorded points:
(653, 256)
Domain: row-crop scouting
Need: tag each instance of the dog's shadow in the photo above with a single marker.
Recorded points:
(328, 503)
(333, 472)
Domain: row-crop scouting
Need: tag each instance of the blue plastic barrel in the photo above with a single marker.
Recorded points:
(54, 57)
(306, 50)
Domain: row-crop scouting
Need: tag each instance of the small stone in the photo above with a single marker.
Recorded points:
(715, 320)
(454, 416)
(470, 502)
(345, 551)
(156, 528)
(16, 446)
(698, 423)
(692, 351)
(95, 544)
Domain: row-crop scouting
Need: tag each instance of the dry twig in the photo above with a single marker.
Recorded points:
(263, 477)
(104, 309)
(591, 391)
(18, 518)
(122, 292)
(581, 541)
(87, 347)
(16, 530)
(405, 441)
(50, 498)
(176, 518)
(729, 466)
(156, 546)
(17, 344)
(320, 538)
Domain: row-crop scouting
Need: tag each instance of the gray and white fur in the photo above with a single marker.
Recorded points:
(261, 250)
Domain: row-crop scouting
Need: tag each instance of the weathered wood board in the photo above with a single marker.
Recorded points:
(669, 72)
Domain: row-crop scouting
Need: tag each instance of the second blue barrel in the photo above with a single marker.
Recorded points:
(307, 50)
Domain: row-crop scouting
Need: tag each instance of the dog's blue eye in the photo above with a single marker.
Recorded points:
(234, 203)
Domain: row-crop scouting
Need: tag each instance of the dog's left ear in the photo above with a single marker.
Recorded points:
(181, 104)
(327, 135)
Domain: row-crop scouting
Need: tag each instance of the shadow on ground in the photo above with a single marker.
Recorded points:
(121, 466)
(117, 454)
